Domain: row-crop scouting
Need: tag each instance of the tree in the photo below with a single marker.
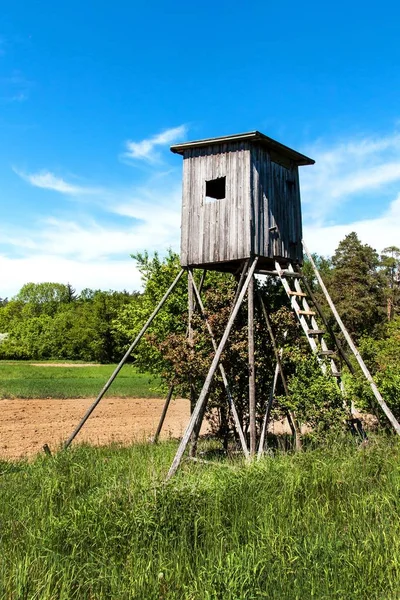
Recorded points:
(357, 286)
(44, 297)
(390, 261)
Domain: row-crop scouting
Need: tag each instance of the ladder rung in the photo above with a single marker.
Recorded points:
(326, 352)
(315, 332)
(336, 374)
(302, 294)
(285, 273)
(309, 313)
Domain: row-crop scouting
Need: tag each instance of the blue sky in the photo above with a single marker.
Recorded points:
(93, 94)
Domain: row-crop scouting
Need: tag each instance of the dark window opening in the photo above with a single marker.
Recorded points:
(215, 189)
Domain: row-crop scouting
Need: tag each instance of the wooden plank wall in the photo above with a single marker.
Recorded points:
(219, 230)
(276, 197)
(260, 214)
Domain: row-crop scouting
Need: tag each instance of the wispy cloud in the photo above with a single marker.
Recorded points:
(344, 170)
(14, 88)
(147, 149)
(99, 274)
(49, 181)
(379, 232)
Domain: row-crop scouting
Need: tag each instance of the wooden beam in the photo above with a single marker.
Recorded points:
(123, 360)
(252, 373)
(223, 373)
(163, 414)
(267, 413)
(394, 422)
(204, 392)
(293, 424)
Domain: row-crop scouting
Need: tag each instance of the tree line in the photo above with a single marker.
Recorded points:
(51, 321)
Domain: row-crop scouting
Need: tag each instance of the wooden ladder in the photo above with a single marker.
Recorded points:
(299, 300)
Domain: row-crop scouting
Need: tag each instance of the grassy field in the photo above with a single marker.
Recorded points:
(100, 523)
(23, 380)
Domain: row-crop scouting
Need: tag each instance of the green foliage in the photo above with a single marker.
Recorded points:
(48, 321)
(383, 359)
(23, 380)
(390, 262)
(357, 286)
(157, 275)
(315, 397)
(100, 523)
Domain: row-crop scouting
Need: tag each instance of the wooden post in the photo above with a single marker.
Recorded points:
(192, 308)
(123, 361)
(163, 414)
(267, 413)
(204, 392)
(252, 374)
(293, 424)
(190, 334)
(394, 422)
(223, 373)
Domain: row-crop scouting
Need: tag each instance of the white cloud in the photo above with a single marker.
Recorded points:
(88, 253)
(367, 165)
(147, 149)
(49, 181)
(378, 232)
(98, 274)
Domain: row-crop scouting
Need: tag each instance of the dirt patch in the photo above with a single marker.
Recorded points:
(26, 425)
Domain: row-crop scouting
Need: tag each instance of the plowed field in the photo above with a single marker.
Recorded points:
(26, 425)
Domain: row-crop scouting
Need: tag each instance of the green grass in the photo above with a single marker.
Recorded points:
(23, 380)
(97, 523)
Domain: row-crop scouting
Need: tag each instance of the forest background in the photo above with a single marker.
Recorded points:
(51, 321)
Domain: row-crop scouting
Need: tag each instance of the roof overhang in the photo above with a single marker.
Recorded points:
(253, 137)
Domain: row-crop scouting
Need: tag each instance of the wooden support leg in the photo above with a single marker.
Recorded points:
(223, 374)
(267, 413)
(163, 414)
(293, 424)
(204, 392)
(252, 374)
(192, 308)
(123, 361)
(190, 332)
(196, 431)
(394, 422)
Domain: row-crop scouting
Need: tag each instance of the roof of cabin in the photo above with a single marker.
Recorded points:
(252, 137)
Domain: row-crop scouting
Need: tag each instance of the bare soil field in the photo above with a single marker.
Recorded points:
(26, 425)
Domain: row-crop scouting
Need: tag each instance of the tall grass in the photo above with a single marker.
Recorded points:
(23, 380)
(96, 523)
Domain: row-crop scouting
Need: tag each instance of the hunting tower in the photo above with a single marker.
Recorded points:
(241, 199)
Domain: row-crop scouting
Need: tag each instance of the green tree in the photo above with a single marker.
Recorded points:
(44, 297)
(357, 286)
(390, 261)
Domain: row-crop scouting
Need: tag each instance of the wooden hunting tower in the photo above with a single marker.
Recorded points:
(241, 198)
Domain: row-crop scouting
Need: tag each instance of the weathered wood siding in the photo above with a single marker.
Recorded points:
(219, 230)
(260, 214)
(277, 209)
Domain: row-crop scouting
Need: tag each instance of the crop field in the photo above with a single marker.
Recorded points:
(100, 523)
(43, 402)
(72, 380)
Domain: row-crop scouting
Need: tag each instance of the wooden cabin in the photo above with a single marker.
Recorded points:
(241, 198)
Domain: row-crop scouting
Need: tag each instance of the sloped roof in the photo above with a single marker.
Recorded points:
(253, 137)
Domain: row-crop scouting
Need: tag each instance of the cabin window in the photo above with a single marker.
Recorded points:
(215, 189)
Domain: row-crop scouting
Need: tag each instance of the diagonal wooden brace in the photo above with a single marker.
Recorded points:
(123, 361)
(222, 370)
(204, 392)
